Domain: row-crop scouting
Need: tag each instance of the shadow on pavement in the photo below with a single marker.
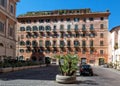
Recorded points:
(42, 73)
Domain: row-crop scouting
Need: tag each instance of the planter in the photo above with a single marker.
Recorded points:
(4, 70)
(65, 79)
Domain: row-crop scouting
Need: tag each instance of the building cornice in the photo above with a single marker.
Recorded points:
(106, 14)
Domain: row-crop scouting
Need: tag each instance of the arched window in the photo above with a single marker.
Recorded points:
(28, 28)
(61, 27)
(34, 43)
(48, 28)
(21, 50)
(69, 27)
(22, 28)
(47, 43)
(28, 43)
(41, 28)
(76, 43)
(35, 28)
(22, 43)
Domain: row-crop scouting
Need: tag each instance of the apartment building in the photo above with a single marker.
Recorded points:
(115, 45)
(7, 29)
(58, 32)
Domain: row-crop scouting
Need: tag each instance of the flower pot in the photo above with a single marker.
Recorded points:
(65, 79)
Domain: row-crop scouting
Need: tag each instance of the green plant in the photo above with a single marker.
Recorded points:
(67, 64)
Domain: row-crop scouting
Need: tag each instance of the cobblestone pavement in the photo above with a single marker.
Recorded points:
(45, 76)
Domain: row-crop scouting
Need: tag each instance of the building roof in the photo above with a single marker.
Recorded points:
(62, 12)
(115, 28)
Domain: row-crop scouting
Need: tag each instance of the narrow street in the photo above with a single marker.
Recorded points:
(45, 76)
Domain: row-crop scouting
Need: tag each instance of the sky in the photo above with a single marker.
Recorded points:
(113, 6)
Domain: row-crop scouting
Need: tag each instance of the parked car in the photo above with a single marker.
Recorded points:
(86, 69)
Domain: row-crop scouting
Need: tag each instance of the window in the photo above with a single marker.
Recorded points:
(91, 19)
(28, 28)
(2, 26)
(84, 19)
(76, 19)
(101, 35)
(35, 28)
(92, 34)
(34, 43)
(47, 20)
(62, 27)
(28, 21)
(48, 28)
(91, 43)
(83, 43)
(68, 19)
(102, 18)
(101, 52)
(3, 3)
(55, 20)
(101, 26)
(11, 31)
(41, 20)
(54, 27)
(22, 28)
(28, 43)
(76, 43)
(21, 50)
(91, 27)
(41, 43)
(68, 27)
(47, 43)
(83, 27)
(28, 50)
(22, 43)
(54, 43)
(62, 43)
(84, 34)
(91, 51)
(68, 43)
(35, 21)
(41, 28)
(101, 43)
(61, 20)
(76, 27)
(12, 8)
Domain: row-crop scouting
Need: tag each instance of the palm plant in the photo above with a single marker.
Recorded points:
(67, 64)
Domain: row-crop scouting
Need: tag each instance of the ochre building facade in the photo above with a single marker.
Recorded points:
(77, 31)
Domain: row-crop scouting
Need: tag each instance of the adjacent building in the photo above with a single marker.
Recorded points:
(79, 31)
(115, 45)
(7, 29)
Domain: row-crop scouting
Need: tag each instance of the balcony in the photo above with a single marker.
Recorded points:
(84, 29)
(61, 29)
(76, 45)
(69, 30)
(76, 29)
